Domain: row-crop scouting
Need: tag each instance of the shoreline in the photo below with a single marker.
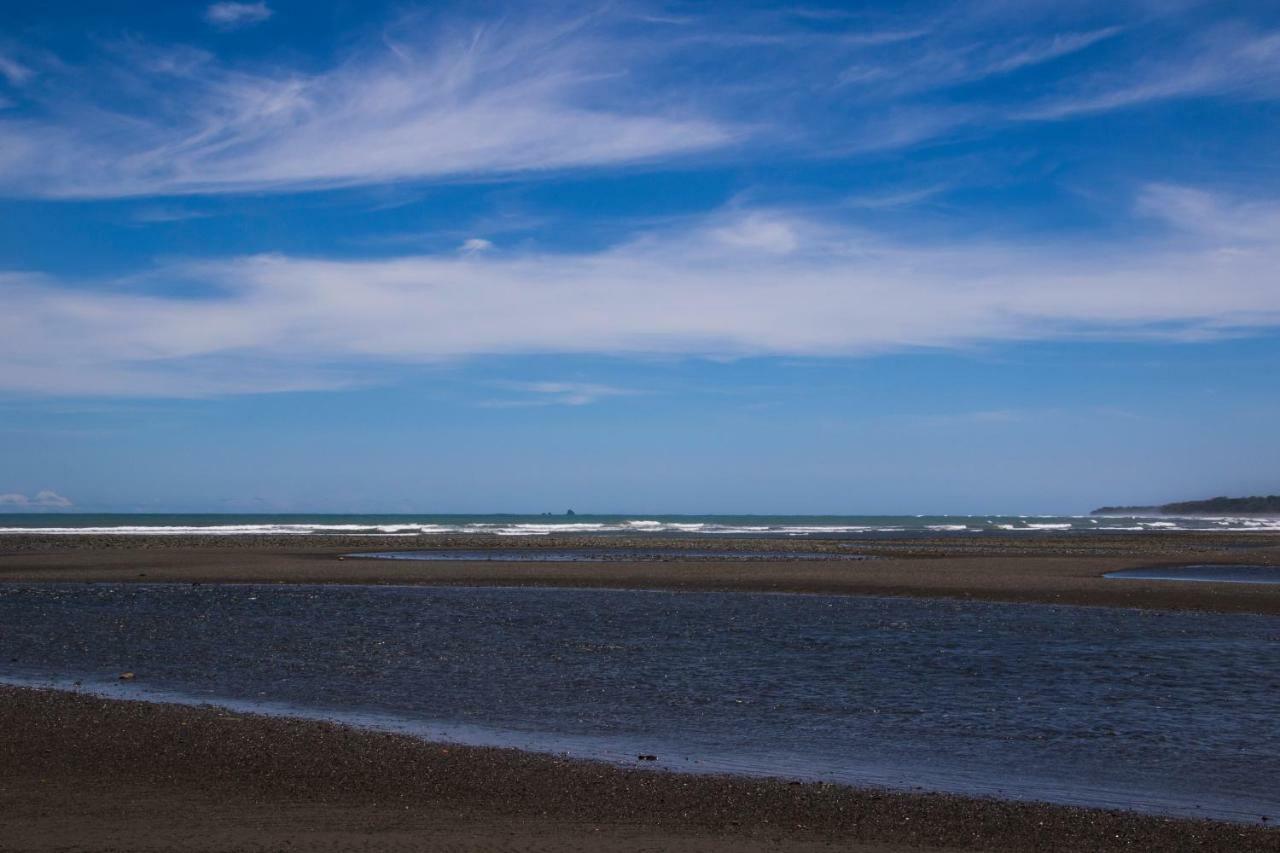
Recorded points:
(143, 775)
(632, 756)
(1064, 570)
(86, 771)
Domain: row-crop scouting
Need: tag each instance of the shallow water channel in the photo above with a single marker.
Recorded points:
(1158, 711)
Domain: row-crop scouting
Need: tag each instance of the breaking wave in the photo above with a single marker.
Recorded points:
(530, 526)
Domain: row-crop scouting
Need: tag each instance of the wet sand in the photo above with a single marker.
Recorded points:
(1042, 569)
(83, 773)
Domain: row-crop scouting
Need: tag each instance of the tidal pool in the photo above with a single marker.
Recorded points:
(1225, 573)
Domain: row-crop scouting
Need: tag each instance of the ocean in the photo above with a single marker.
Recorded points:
(762, 526)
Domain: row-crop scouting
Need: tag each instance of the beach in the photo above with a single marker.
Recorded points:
(1042, 569)
(85, 772)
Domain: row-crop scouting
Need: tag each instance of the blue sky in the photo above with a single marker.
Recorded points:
(985, 256)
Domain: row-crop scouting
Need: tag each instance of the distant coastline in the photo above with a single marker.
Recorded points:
(1256, 505)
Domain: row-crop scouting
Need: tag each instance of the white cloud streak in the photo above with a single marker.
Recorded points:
(742, 283)
(472, 245)
(439, 101)
(1243, 64)
(949, 64)
(13, 71)
(1210, 218)
(235, 15)
(1036, 53)
(1228, 61)
(484, 101)
(557, 394)
(44, 499)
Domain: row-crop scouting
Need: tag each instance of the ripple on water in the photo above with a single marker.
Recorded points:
(1167, 712)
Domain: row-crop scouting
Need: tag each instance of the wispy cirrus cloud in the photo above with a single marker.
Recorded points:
(421, 103)
(555, 394)
(475, 244)
(900, 198)
(446, 100)
(736, 283)
(1210, 218)
(947, 62)
(229, 15)
(1231, 61)
(160, 214)
(13, 71)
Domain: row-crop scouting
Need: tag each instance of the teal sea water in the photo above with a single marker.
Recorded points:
(767, 526)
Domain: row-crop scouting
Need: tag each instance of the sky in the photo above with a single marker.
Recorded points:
(847, 258)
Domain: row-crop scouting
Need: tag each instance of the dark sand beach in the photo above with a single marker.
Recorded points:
(85, 773)
(82, 773)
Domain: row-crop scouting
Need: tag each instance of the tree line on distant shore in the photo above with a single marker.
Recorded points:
(1256, 505)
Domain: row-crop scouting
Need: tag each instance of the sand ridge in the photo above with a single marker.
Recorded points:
(1048, 570)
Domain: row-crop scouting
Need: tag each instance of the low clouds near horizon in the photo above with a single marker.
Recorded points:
(44, 499)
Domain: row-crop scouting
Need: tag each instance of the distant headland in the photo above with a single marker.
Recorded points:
(1257, 505)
